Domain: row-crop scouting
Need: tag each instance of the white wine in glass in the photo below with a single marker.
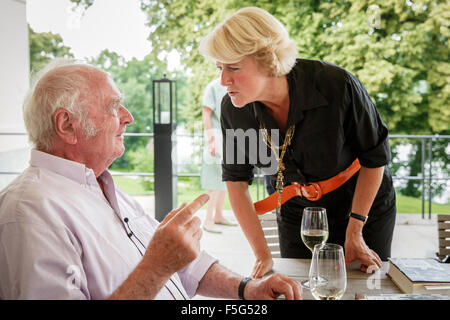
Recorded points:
(327, 274)
(312, 237)
(314, 229)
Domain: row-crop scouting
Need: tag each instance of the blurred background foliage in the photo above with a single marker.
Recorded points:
(399, 50)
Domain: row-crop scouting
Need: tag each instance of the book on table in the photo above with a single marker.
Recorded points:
(420, 276)
(401, 296)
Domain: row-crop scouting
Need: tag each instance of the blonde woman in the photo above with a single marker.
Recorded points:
(328, 126)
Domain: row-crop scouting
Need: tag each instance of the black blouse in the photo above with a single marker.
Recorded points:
(335, 123)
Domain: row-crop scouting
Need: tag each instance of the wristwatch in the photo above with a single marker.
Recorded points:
(242, 287)
(359, 217)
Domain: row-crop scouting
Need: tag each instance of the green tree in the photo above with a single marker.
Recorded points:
(399, 50)
(45, 46)
(180, 25)
(134, 79)
(402, 60)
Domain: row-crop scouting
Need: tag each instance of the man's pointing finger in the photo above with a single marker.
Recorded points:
(188, 211)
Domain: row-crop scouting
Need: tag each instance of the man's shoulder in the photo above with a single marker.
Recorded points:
(28, 198)
(19, 187)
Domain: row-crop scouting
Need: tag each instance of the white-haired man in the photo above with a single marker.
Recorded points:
(67, 232)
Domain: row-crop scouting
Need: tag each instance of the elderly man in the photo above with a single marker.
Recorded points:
(67, 232)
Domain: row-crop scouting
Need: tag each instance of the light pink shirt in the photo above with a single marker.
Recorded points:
(60, 238)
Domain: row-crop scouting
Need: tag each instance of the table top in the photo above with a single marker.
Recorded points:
(357, 281)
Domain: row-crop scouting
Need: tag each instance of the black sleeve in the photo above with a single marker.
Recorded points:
(230, 119)
(366, 131)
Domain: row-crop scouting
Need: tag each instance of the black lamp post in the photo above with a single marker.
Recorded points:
(164, 128)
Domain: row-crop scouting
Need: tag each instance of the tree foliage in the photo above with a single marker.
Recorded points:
(45, 46)
(134, 78)
(398, 49)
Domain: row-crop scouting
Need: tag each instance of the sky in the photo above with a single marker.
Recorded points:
(117, 25)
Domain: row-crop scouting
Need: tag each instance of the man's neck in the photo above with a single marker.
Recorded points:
(73, 155)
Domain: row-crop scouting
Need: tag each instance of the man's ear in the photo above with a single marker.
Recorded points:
(65, 126)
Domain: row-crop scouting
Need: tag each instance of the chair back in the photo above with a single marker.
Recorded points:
(270, 228)
(444, 235)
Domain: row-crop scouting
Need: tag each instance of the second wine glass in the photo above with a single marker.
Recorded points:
(327, 274)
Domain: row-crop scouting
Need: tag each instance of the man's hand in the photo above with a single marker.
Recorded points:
(272, 287)
(356, 249)
(176, 241)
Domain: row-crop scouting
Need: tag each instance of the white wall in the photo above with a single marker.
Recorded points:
(14, 81)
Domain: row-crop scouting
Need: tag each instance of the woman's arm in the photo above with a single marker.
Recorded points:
(244, 210)
(367, 185)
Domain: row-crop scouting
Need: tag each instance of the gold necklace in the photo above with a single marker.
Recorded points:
(281, 167)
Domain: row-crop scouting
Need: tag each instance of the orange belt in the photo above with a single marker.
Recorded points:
(312, 191)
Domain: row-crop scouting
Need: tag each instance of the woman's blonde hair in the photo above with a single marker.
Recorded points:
(252, 31)
(63, 83)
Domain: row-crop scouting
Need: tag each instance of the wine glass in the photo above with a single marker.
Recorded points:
(314, 229)
(327, 274)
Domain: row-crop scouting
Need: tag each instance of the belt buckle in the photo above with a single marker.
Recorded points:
(317, 192)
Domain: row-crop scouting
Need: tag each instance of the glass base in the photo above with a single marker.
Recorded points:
(305, 284)
(320, 280)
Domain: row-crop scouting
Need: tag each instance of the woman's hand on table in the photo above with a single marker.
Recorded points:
(261, 267)
(356, 249)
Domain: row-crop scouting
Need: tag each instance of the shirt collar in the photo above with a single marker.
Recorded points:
(302, 93)
(72, 170)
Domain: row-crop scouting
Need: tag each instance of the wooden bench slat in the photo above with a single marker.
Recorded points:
(276, 254)
(270, 231)
(272, 239)
(443, 226)
(270, 228)
(444, 234)
(265, 224)
(444, 252)
(443, 217)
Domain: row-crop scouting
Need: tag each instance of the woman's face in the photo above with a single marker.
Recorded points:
(244, 80)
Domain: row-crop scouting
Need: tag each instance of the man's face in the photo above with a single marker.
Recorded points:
(110, 118)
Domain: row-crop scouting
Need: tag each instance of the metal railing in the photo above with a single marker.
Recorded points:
(423, 178)
(426, 179)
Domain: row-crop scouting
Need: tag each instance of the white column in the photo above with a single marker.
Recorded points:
(14, 82)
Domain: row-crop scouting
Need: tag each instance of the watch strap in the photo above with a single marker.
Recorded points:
(359, 217)
(242, 287)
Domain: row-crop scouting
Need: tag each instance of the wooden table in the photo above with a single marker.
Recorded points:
(357, 281)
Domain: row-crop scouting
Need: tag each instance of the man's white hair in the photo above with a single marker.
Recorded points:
(62, 84)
